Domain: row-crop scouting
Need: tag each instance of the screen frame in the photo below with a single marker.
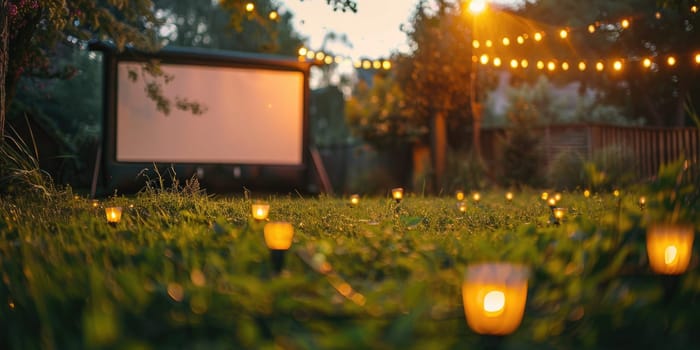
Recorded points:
(124, 174)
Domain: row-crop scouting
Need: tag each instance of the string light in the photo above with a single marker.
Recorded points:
(386, 65)
(582, 66)
(625, 23)
(565, 66)
(249, 7)
(551, 66)
(366, 64)
(524, 63)
(671, 61)
(302, 51)
(505, 41)
(273, 15)
(497, 62)
(538, 36)
(599, 66)
(520, 39)
(475, 44)
(489, 43)
(328, 60)
(694, 9)
(591, 28)
(320, 55)
(540, 65)
(563, 33)
(514, 63)
(484, 59)
(646, 63)
(617, 65)
(376, 64)
(697, 58)
(310, 54)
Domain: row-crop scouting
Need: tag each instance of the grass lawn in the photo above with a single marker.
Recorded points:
(183, 270)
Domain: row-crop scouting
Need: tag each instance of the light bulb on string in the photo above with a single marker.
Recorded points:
(540, 65)
(591, 28)
(514, 64)
(625, 23)
(523, 63)
(520, 39)
(617, 65)
(551, 66)
(538, 36)
(582, 66)
(563, 33)
(671, 61)
(565, 66)
(599, 66)
(646, 63)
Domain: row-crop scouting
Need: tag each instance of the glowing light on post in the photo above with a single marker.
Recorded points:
(669, 247)
(476, 197)
(552, 202)
(642, 202)
(462, 206)
(616, 193)
(494, 296)
(477, 6)
(586, 193)
(260, 211)
(397, 194)
(559, 213)
(355, 200)
(509, 196)
(114, 215)
(459, 195)
(278, 235)
(557, 197)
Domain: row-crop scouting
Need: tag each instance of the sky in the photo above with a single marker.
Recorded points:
(374, 31)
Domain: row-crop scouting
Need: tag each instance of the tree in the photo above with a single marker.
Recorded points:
(435, 76)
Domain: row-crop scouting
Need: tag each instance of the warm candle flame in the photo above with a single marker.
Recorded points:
(509, 196)
(260, 211)
(544, 196)
(586, 193)
(670, 254)
(397, 193)
(494, 302)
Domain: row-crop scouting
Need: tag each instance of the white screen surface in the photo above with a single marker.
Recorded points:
(253, 116)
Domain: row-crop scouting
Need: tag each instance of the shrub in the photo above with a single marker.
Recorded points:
(567, 171)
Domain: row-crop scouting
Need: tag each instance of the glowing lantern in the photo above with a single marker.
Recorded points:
(476, 197)
(625, 23)
(565, 66)
(694, 9)
(459, 195)
(586, 193)
(591, 28)
(669, 247)
(509, 196)
(617, 65)
(538, 36)
(273, 15)
(114, 215)
(462, 206)
(278, 235)
(250, 7)
(642, 202)
(582, 66)
(397, 194)
(355, 200)
(278, 238)
(646, 63)
(558, 213)
(494, 296)
(260, 211)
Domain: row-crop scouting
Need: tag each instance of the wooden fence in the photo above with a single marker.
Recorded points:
(651, 147)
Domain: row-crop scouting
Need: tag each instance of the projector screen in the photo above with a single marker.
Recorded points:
(252, 116)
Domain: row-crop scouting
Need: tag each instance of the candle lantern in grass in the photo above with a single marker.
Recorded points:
(95, 203)
(552, 203)
(459, 195)
(544, 196)
(260, 211)
(557, 197)
(509, 196)
(278, 238)
(642, 202)
(669, 247)
(558, 214)
(114, 215)
(355, 200)
(494, 296)
(586, 193)
(476, 197)
(462, 206)
(397, 194)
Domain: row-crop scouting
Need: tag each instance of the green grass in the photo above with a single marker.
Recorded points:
(183, 270)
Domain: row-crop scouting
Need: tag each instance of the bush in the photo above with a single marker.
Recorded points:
(567, 171)
(610, 167)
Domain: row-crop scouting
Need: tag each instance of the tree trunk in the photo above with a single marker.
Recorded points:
(4, 63)
(438, 148)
